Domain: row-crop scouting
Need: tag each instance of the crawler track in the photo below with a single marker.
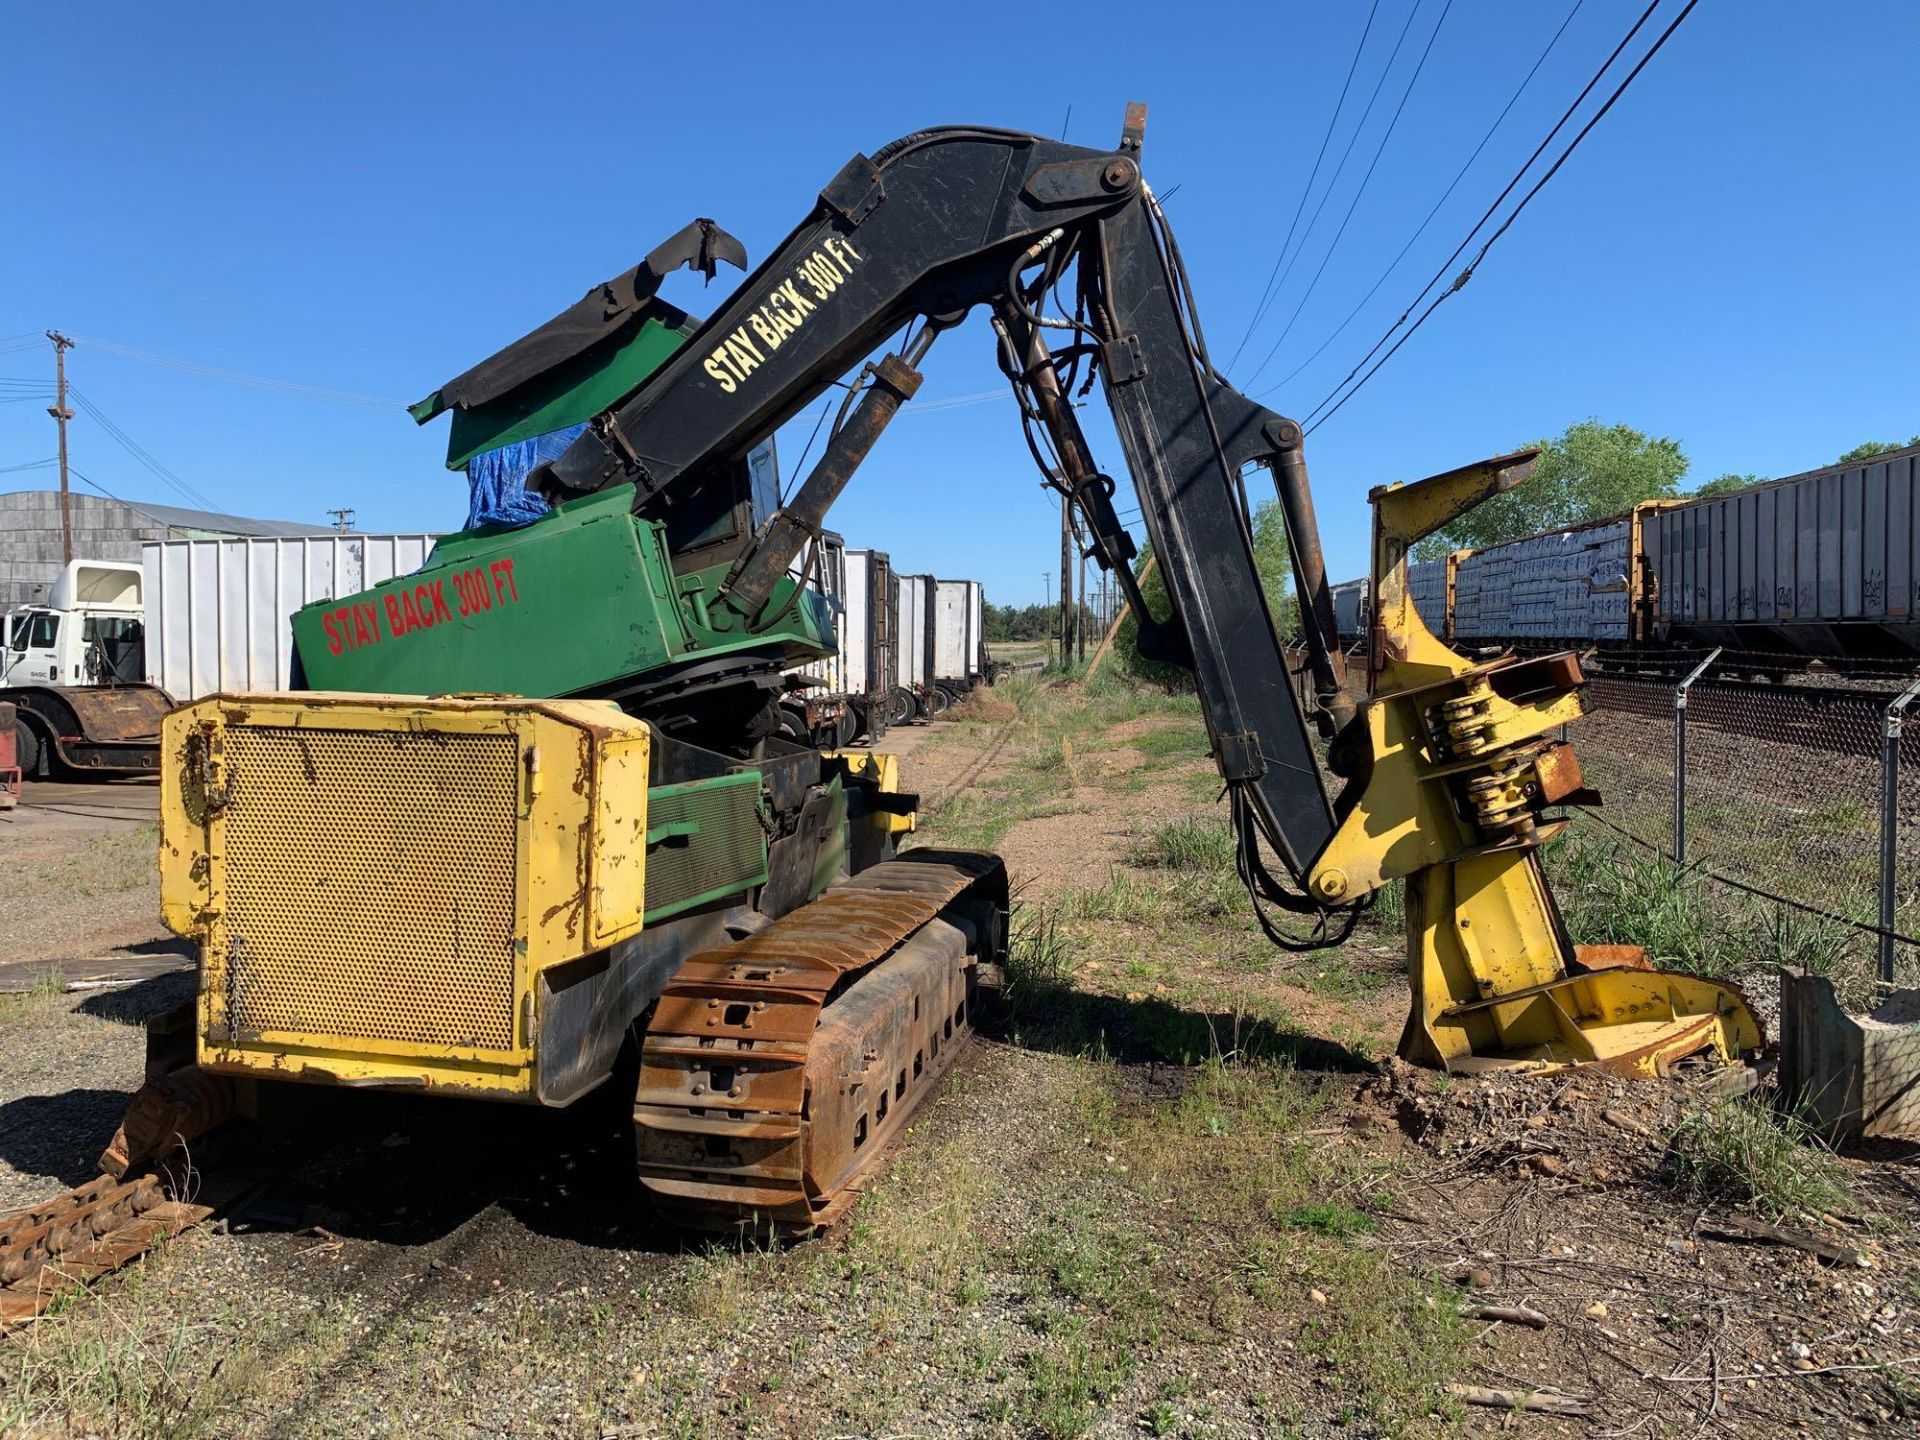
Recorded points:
(50, 1249)
(778, 1070)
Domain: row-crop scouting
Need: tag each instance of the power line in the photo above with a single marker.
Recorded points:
(1374, 289)
(1332, 121)
(1518, 176)
(138, 451)
(1505, 225)
(75, 472)
(29, 465)
(956, 402)
(1354, 204)
(241, 377)
(1345, 155)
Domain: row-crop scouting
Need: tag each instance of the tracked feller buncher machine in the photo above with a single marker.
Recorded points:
(534, 805)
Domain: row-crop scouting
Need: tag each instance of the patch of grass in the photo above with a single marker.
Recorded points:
(1736, 1152)
(129, 1359)
(1616, 894)
(1785, 936)
(922, 1225)
(1193, 842)
(1092, 1269)
(30, 1004)
(1127, 897)
(1326, 1217)
(1337, 977)
(1069, 1383)
(110, 864)
(1390, 907)
(1392, 1340)
(1172, 742)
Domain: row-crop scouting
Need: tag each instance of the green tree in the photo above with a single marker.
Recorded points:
(1272, 558)
(1872, 448)
(1727, 484)
(1588, 472)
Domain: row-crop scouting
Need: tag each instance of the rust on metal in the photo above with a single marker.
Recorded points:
(108, 712)
(166, 1113)
(1556, 769)
(1612, 957)
(50, 1249)
(777, 1069)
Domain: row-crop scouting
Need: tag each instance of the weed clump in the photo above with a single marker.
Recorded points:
(1616, 895)
(1733, 1151)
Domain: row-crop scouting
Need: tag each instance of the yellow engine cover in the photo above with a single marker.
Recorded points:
(377, 883)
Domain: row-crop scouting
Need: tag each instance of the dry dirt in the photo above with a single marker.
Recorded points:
(1196, 1201)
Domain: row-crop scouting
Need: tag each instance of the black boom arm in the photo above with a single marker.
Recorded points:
(931, 226)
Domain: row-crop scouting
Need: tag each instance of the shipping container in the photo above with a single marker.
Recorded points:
(1826, 563)
(218, 610)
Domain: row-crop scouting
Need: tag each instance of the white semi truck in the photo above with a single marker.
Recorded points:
(74, 669)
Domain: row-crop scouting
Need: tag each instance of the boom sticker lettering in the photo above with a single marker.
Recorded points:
(781, 314)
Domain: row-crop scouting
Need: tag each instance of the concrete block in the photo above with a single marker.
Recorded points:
(1856, 1077)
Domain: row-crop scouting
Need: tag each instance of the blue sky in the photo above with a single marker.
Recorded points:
(371, 198)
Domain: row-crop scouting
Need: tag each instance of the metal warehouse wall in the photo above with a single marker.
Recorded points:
(30, 539)
(30, 544)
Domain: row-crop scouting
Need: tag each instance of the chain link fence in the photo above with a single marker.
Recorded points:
(1794, 795)
(1804, 794)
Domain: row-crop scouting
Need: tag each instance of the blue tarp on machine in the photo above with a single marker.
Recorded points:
(496, 480)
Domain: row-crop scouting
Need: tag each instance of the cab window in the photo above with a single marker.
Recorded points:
(44, 631)
(765, 471)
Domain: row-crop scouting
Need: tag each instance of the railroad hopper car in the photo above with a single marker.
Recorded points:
(1821, 565)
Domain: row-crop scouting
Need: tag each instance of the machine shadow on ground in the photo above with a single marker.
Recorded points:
(1058, 1019)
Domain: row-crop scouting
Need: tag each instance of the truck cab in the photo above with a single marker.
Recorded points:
(92, 630)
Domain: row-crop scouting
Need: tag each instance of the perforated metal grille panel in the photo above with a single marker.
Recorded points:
(369, 885)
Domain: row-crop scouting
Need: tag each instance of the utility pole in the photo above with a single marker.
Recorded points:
(61, 415)
(342, 519)
(1046, 592)
(1066, 582)
(1080, 615)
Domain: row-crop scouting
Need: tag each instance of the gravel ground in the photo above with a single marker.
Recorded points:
(80, 869)
(1067, 1243)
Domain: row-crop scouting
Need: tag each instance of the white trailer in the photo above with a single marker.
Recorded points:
(977, 628)
(913, 637)
(219, 611)
(869, 640)
(956, 646)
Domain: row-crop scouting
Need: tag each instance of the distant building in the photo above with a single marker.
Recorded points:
(103, 529)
